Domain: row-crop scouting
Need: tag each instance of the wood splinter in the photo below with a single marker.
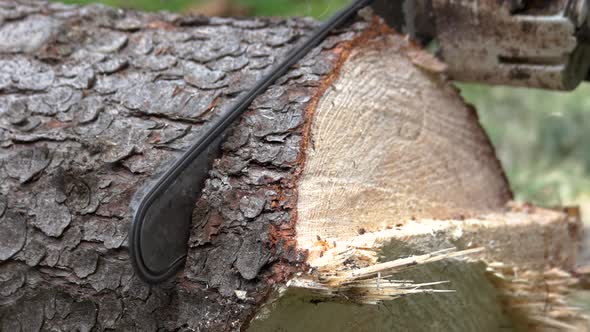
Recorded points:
(373, 283)
(508, 267)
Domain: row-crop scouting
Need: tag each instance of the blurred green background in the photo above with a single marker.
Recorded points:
(541, 137)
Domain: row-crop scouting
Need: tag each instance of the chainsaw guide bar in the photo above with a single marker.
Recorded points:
(160, 226)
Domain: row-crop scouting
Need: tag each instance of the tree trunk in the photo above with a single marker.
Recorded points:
(354, 153)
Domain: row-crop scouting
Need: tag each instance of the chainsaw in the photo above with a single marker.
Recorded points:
(530, 43)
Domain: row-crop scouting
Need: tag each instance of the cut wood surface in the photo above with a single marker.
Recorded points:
(391, 141)
(363, 140)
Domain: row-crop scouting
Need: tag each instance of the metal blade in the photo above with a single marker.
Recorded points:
(161, 224)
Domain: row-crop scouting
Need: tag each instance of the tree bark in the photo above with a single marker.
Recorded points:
(362, 136)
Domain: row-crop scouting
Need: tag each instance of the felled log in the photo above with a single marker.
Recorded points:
(360, 163)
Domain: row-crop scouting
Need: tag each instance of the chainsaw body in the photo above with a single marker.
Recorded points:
(530, 43)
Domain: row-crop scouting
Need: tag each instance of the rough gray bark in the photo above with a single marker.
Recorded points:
(93, 101)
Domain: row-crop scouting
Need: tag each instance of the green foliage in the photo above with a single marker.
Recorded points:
(315, 8)
(541, 138)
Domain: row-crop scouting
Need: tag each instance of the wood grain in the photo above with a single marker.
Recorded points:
(392, 141)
